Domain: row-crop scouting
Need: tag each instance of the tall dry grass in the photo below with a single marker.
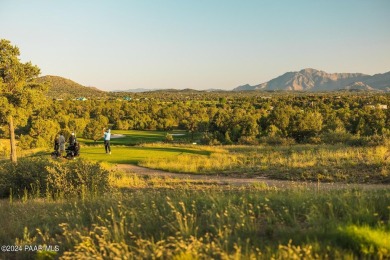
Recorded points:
(222, 222)
(298, 162)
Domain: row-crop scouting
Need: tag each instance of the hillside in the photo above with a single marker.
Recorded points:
(67, 89)
(360, 86)
(316, 80)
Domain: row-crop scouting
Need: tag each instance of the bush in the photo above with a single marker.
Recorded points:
(77, 178)
(376, 140)
(209, 139)
(29, 175)
(276, 140)
(314, 140)
(39, 142)
(357, 141)
(336, 137)
(42, 177)
(206, 139)
(248, 140)
(168, 138)
(26, 142)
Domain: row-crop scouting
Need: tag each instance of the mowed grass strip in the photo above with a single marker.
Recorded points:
(133, 137)
(135, 154)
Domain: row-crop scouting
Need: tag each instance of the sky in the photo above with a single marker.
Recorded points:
(202, 44)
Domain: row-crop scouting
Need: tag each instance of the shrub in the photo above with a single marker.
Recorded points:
(39, 142)
(314, 140)
(248, 140)
(206, 139)
(40, 176)
(336, 137)
(28, 175)
(357, 141)
(26, 142)
(376, 140)
(76, 178)
(168, 138)
(276, 140)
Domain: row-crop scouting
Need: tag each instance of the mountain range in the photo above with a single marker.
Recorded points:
(303, 80)
(317, 80)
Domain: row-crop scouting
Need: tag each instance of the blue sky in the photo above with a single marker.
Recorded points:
(196, 44)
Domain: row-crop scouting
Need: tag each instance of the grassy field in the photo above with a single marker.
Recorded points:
(328, 163)
(133, 137)
(164, 219)
(135, 154)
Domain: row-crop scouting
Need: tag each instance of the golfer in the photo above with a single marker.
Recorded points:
(61, 141)
(107, 137)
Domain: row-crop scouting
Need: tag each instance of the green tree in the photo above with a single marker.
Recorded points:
(193, 118)
(45, 129)
(280, 117)
(95, 128)
(19, 94)
(305, 125)
(77, 125)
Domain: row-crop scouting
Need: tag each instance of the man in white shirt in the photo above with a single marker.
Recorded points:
(107, 137)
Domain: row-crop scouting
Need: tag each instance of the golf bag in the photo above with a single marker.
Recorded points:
(73, 150)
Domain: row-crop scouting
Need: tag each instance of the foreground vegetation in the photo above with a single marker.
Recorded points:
(152, 218)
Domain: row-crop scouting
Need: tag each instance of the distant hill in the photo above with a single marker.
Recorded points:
(139, 90)
(316, 80)
(136, 90)
(215, 90)
(360, 86)
(380, 81)
(67, 89)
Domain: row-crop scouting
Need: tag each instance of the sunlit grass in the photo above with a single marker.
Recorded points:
(162, 218)
(5, 150)
(298, 162)
(135, 154)
(133, 137)
(327, 163)
(366, 239)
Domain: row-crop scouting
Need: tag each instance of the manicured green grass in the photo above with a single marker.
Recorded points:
(133, 137)
(124, 149)
(135, 154)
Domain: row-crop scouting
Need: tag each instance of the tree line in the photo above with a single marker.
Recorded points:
(302, 118)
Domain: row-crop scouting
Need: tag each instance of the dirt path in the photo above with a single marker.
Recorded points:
(223, 180)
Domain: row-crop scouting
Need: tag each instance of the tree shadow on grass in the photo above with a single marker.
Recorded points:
(134, 138)
(175, 149)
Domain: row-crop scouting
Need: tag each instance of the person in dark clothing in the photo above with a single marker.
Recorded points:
(72, 139)
(73, 148)
(107, 137)
(56, 152)
(56, 144)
